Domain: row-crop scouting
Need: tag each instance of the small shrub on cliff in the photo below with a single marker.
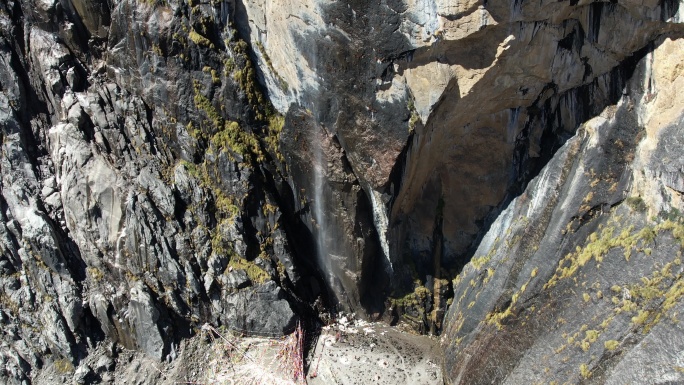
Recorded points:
(64, 366)
(584, 371)
(255, 273)
(636, 204)
(611, 344)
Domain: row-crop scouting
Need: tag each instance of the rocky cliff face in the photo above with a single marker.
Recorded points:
(248, 163)
(443, 111)
(137, 197)
(580, 278)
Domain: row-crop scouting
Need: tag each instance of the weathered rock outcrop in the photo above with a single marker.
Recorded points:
(580, 278)
(136, 200)
(523, 81)
(247, 163)
(443, 112)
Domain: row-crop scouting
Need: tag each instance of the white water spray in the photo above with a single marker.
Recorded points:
(381, 224)
(319, 215)
(318, 137)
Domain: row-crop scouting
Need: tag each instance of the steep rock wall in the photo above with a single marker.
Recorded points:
(149, 186)
(444, 111)
(137, 201)
(525, 74)
(580, 278)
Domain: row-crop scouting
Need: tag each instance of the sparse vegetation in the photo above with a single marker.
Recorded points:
(64, 366)
(611, 345)
(636, 204)
(598, 246)
(9, 305)
(640, 318)
(276, 122)
(479, 262)
(497, 317)
(226, 206)
(414, 117)
(281, 82)
(590, 337)
(228, 66)
(95, 273)
(245, 78)
(255, 273)
(238, 141)
(204, 104)
(584, 371)
(157, 50)
(415, 298)
(199, 39)
(215, 79)
(228, 134)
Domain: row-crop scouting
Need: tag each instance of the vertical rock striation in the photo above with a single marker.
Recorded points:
(137, 200)
(581, 276)
(159, 171)
(444, 111)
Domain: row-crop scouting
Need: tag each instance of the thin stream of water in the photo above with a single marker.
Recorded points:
(319, 215)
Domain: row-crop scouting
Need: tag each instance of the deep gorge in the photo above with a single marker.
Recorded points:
(506, 176)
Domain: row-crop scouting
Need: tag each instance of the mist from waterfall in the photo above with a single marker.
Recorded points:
(319, 215)
(321, 219)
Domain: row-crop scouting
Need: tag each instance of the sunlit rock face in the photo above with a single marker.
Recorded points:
(580, 278)
(252, 163)
(445, 110)
(133, 200)
(525, 78)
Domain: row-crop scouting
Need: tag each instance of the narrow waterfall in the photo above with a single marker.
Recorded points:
(321, 220)
(324, 226)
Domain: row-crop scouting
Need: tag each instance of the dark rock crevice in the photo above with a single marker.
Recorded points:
(587, 204)
(548, 123)
(151, 187)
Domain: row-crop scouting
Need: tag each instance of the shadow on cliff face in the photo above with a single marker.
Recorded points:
(531, 308)
(447, 182)
(331, 204)
(482, 146)
(348, 59)
(477, 51)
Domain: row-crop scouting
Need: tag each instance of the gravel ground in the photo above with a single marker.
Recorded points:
(350, 353)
